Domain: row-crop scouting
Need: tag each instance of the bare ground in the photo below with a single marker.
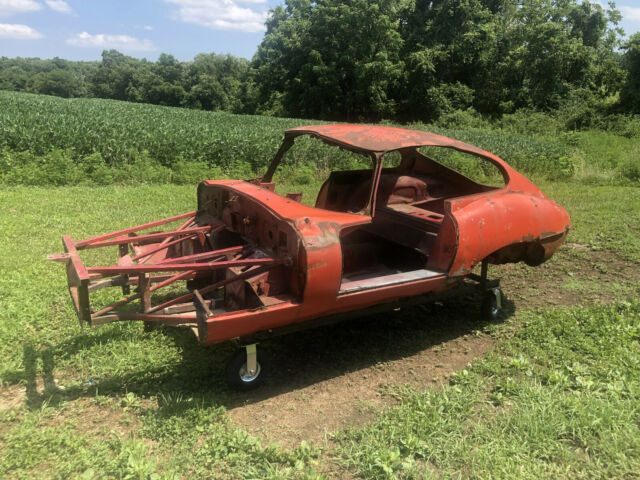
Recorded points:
(338, 377)
(315, 392)
(576, 276)
(314, 411)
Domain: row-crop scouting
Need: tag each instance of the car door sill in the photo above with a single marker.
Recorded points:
(375, 280)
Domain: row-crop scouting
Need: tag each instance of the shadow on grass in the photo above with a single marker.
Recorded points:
(30, 358)
(297, 360)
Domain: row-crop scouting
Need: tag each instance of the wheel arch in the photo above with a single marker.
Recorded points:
(505, 226)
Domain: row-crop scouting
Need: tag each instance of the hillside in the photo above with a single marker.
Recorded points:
(93, 141)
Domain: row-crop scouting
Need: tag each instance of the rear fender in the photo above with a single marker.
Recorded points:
(532, 227)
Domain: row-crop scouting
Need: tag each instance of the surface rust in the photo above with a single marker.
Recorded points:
(375, 237)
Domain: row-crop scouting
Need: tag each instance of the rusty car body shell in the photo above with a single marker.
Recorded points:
(258, 261)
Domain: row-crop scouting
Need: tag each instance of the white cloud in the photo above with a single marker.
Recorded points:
(59, 6)
(18, 32)
(222, 14)
(11, 7)
(147, 27)
(103, 40)
(630, 13)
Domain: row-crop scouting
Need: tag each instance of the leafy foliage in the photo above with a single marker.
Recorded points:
(336, 60)
(630, 93)
(355, 60)
(421, 59)
(209, 82)
(45, 140)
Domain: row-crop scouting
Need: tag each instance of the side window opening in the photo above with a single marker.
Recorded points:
(391, 160)
(473, 167)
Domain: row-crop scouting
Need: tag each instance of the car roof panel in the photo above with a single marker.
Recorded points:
(376, 138)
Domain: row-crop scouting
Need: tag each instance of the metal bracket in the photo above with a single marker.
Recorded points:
(484, 270)
(252, 358)
(498, 294)
(59, 257)
(483, 281)
(203, 312)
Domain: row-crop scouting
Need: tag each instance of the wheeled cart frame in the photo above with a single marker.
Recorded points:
(157, 262)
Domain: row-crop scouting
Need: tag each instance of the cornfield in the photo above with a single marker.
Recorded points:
(72, 141)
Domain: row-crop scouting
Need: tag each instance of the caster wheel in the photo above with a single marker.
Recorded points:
(240, 377)
(491, 304)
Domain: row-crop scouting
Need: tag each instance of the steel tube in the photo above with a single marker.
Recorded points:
(203, 256)
(197, 267)
(149, 236)
(163, 246)
(144, 226)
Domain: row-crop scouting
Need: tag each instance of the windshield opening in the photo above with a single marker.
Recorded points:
(309, 164)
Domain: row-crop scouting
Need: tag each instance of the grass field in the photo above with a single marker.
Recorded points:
(54, 141)
(551, 390)
(555, 396)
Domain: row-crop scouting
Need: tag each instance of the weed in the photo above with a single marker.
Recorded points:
(571, 414)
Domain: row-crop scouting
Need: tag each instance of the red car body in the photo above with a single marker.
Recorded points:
(258, 262)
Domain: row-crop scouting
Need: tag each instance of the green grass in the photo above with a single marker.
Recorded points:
(558, 398)
(54, 141)
(143, 379)
(605, 155)
(603, 217)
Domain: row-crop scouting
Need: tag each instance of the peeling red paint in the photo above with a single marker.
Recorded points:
(263, 261)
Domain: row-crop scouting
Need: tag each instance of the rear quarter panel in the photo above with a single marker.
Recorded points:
(490, 221)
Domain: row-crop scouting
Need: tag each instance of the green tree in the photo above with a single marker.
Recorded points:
(449, 45)
(52, 77)
(330, 59)
(630, 93)
(217, 82)
(62, 83)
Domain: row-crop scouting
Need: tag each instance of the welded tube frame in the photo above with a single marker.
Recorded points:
(81, 244)
(196, 267)
(81, 279)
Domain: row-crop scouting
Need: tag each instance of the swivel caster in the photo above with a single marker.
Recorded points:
(247, 368)
(491, 304)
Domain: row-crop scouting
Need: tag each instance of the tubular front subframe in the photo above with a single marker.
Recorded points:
(156, 263)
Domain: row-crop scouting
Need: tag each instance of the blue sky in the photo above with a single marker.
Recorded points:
(81, 29)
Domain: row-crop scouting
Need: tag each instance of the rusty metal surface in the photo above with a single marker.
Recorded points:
(376, 138)
(252, 260)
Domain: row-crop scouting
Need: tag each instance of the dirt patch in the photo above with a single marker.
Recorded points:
(334, 378)
(12, 397)
(35, 392)
(86, 416)
(90, 417)
(98, 420)
(353, 399)
(576, 275)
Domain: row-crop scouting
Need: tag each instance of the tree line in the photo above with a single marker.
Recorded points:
(209, 82)
(356, 60)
